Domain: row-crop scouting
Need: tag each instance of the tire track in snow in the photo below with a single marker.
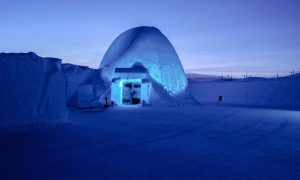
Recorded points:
(88, 144)
(265, 135)
(102, 151)
(164, 126)
(234, 149)
(236, 131)
(95, 149)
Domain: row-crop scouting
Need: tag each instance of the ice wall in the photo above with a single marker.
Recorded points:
(273, 93)
(75, 76)
(32, 89)
(150, 47)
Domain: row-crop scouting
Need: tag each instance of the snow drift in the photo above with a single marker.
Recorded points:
(32, 89)
(273, 93)
(77, 76)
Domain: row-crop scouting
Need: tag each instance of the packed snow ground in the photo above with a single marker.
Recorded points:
(196, 142)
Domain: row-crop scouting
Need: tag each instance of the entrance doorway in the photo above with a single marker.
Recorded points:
(130, 91)
(131, 94)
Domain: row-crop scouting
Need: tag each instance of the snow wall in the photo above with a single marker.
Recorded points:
(270, 93)
(77, 76)
(32, 90)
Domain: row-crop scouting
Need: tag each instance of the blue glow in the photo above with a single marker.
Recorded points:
(148, 46)
(117, 88)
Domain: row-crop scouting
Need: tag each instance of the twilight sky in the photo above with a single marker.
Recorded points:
(261, 37)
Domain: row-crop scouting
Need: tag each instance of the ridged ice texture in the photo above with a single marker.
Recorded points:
(150, 47)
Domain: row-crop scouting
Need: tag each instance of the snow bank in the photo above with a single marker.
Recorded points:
(280, 93)
(75, 77)
(32, 89)
(159, 97)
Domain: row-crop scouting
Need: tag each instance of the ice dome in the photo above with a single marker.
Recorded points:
(149, 47)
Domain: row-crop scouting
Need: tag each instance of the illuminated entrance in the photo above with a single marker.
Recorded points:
(130, 91)
(131, 86)
(131, 94)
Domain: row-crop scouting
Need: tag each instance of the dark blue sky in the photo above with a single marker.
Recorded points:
(261, 37)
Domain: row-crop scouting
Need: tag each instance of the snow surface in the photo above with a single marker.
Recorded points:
(32, 89)
(197, 142)
(261, 92)
(148, 46)
(75, 76)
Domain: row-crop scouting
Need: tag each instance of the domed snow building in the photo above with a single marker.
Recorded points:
(142, 67)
